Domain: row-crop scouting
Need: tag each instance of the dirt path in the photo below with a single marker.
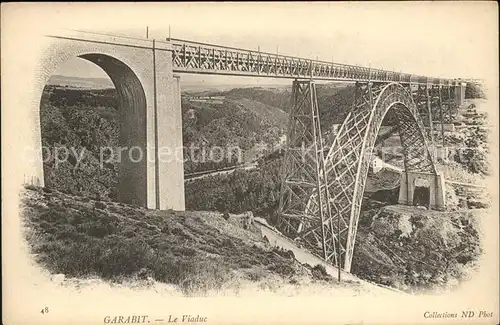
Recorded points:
(303, 256)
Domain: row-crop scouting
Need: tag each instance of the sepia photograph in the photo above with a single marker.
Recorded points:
(250, 163)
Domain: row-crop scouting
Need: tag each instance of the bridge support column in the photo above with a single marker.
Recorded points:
(441, 120)
(169, 159)
(158, 181)
(303, 173)
(437, 197)
(429, 113)
(460, 93)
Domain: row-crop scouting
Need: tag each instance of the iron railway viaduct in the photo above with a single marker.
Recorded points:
(321, 192)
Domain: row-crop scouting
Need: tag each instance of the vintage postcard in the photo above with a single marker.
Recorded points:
(250, 163)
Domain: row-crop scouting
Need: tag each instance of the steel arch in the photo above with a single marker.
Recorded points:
(349, 157)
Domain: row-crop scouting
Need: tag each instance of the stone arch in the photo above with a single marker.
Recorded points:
(132, 111)
(421, 192)
(133, 103)
(158, 185)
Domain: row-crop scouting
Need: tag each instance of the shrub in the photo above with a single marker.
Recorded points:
(186, 251)
(94, 229)
(54, 215)
(178, 231)
(31, 187)
(245, 264)
(68, 232)
(476, 204)
(111, 258)
(123, 256)
(288, 254)
(228, 243)
(319, 273)
(255, 275)
(282, 269)
(75, 219)
(199, 277)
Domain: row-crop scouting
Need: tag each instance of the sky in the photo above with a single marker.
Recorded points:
(438, 39)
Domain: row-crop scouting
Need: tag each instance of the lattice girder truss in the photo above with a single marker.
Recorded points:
(303, 168)
(346, 168)
(435, 103)
(421, 97)
(195, 57)
(447, 104)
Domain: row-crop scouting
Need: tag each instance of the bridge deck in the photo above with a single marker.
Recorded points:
(203, 58)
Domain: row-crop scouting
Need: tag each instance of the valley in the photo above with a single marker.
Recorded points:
(410, 249)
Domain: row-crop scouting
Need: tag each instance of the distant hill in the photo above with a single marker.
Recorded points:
(200, 87)
(188, 84)
(334, 99)
(77, 82)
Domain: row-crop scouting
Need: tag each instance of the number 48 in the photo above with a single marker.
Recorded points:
(44, 310)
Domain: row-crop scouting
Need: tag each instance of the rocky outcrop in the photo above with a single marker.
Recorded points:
(415, 249)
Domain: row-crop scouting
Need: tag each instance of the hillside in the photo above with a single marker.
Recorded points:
(196, 253)
(473, 90)
(85, 125)
(279, 98)
(229, 123)
(256, 190)
(334, 100)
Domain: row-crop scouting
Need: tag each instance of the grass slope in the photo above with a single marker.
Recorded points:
(199, 252)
